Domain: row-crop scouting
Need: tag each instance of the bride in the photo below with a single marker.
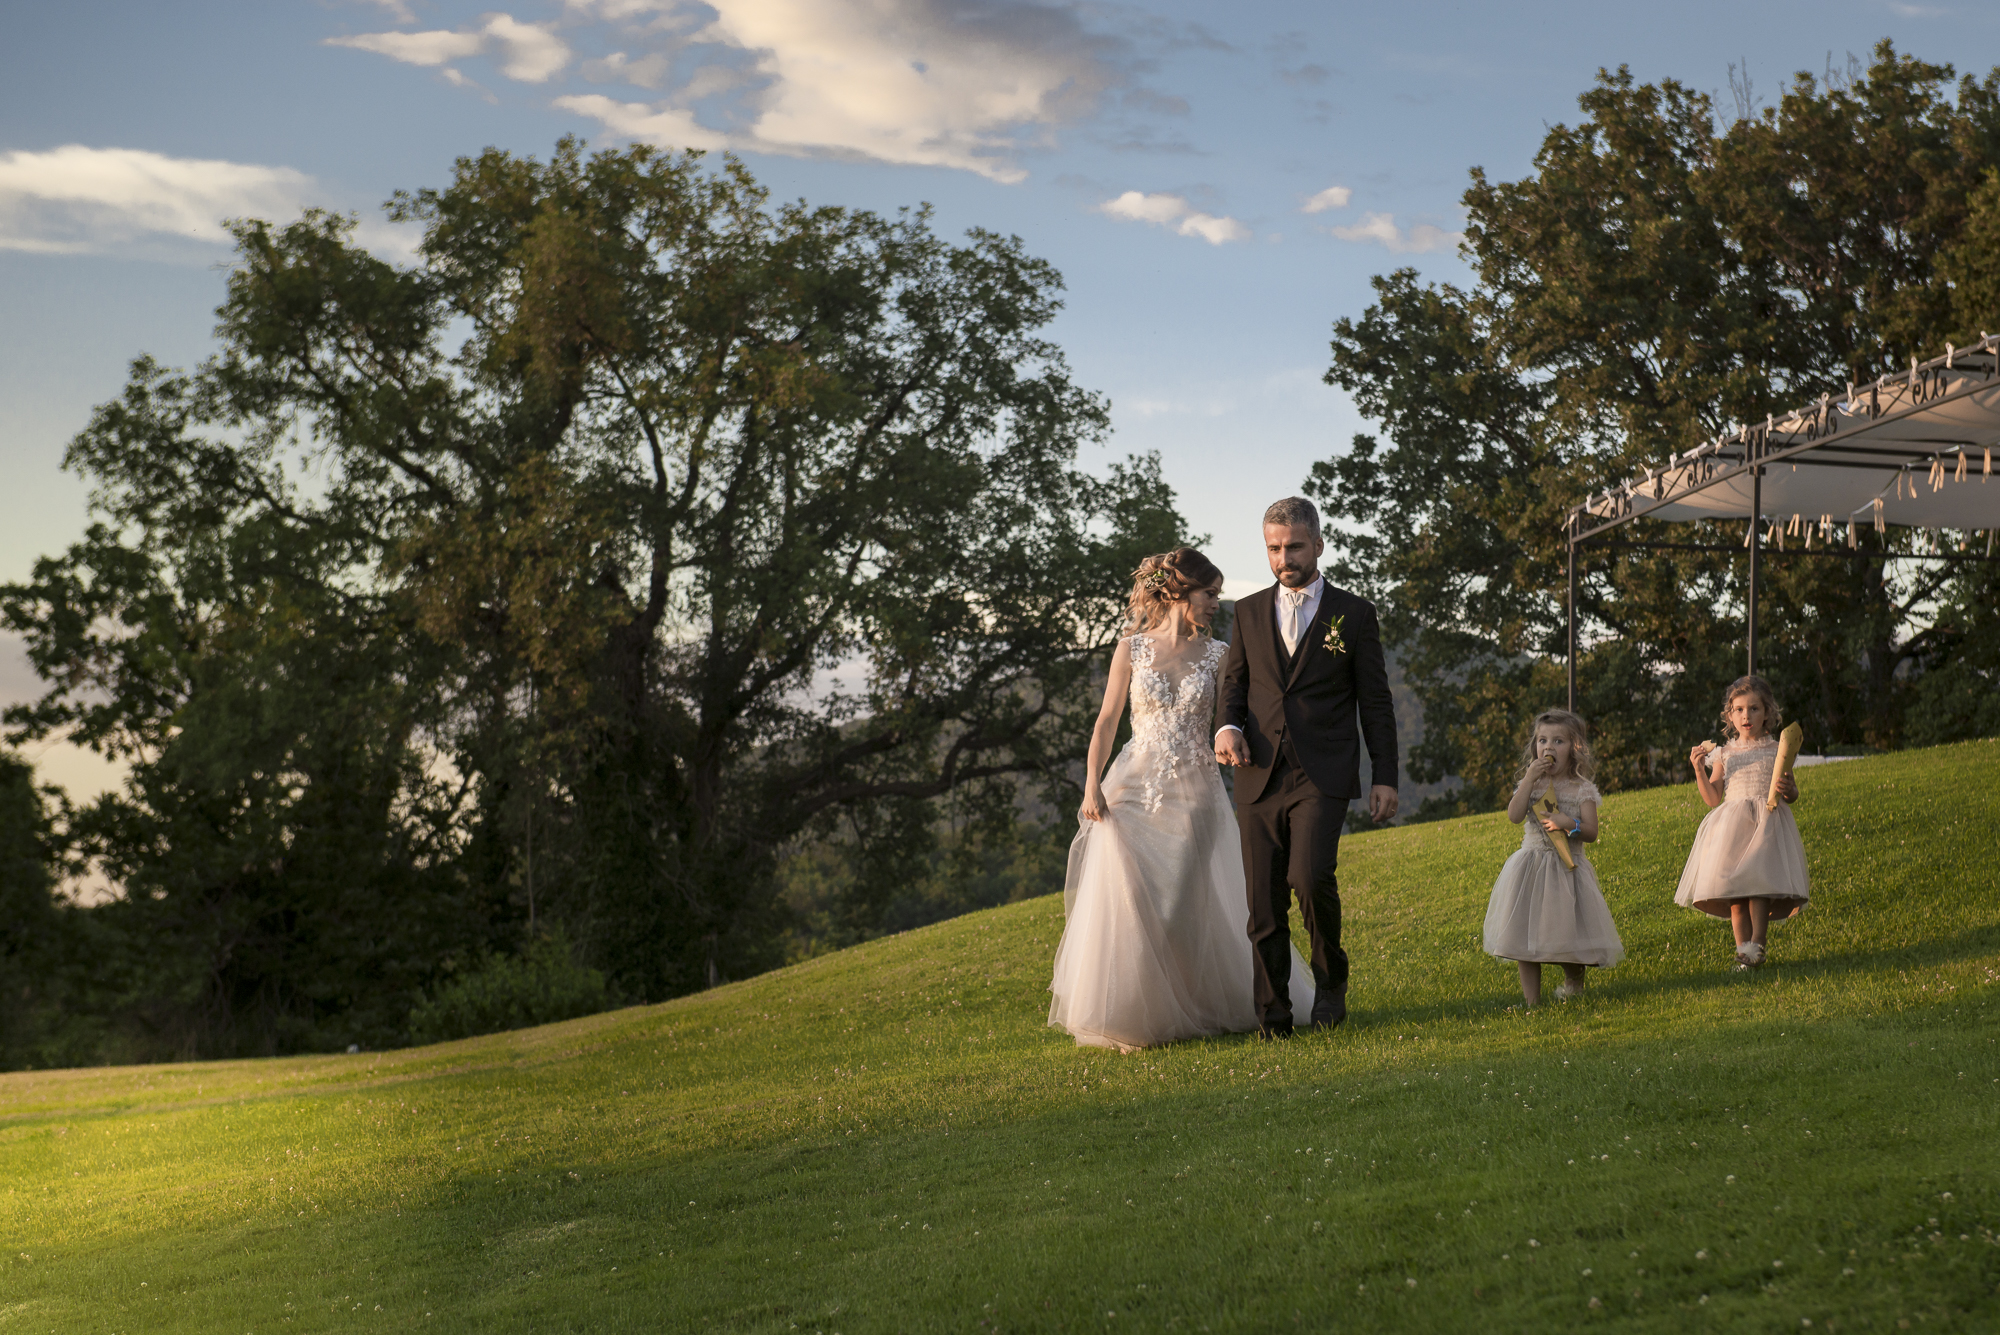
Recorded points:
(1156, 946)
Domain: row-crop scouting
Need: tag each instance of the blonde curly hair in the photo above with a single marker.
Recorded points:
(1583, 764)
(1760, 688)
(1164, 579)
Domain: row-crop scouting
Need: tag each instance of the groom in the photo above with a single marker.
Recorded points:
(1303, 685)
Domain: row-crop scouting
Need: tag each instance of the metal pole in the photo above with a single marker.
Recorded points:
(1570, 614)
(1756, 542)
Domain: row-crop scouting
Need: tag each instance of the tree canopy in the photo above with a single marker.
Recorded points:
(1663, 274)
(637, 529)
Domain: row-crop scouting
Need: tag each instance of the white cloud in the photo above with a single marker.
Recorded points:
(1333, 197)
(1145, 208)
(1381, 227)
(671, 126)
(526, 52)
(1213, 230)
(529, 52)
(922, 82)
(1173, 211)
(77, 199)
(416, 48)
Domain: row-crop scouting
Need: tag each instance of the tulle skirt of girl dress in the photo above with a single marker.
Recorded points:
(1743, 851)
(1155, 948)
(1541, 912)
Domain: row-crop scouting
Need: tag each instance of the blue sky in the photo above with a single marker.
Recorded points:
(1216, 182)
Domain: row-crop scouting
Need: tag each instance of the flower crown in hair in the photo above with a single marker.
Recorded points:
(1157, 578)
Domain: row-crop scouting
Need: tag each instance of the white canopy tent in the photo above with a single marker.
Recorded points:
(1913, 450)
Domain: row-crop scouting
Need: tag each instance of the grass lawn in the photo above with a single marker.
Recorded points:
(890, 1139)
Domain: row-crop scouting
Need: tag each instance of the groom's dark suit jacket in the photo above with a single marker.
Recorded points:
(1314, 697)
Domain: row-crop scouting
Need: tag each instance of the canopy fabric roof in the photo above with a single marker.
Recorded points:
(1914, 449)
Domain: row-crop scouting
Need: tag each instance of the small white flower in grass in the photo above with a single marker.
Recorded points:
(1506, 1256)
(1411, 1282)
(1533, 1243)
(1594, 1303)
(1704, 1297)
(1730, 1178)
(1701, 1255)
(1586, 1274)
(1777, 1265)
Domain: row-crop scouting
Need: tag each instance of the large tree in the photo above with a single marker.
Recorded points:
(638, 527)
(1659, 277)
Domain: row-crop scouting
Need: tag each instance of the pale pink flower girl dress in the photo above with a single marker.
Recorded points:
(1741, 850)
(1541, 912)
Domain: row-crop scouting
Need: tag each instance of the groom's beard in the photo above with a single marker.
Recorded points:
(1295, 577)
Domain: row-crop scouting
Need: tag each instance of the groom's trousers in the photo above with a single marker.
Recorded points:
(1291, 841)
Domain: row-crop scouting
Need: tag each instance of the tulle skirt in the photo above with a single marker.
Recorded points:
(1742, 851)
(1541, 912)
(1156, 946)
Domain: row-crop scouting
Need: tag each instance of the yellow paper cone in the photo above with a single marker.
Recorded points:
(1557, 838)
(1789, 742)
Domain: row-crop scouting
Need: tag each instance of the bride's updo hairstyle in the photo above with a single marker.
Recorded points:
(1166, 579)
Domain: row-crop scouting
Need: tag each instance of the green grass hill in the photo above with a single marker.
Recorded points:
(891, 1139)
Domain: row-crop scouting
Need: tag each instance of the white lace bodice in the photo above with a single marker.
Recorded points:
(1173, 706)
(1746, 774)
(1571, 794)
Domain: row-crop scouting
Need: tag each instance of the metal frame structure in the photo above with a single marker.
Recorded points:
(1939, 417)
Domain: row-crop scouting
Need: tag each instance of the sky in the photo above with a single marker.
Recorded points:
(1217, 183)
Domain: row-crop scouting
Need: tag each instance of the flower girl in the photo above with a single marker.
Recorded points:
(1747, 864)
(1542, 911)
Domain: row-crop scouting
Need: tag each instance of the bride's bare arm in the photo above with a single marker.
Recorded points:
(1116, 687)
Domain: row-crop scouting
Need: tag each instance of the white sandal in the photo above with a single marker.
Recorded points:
(1566, 990)
(1749, 955)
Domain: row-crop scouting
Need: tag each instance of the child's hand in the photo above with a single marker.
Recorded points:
(1541, 767)
(1549, 824)
(1788, 788)
(1700, 753)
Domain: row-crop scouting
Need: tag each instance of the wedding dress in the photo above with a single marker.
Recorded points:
(1155, 948)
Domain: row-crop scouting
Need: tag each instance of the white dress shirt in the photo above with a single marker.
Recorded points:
(1295, 610)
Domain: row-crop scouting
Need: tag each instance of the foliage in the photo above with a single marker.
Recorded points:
(1657, 278)
(892, 1138)
(850, 888)
(540, 985)
(35, 950)
(637, 530)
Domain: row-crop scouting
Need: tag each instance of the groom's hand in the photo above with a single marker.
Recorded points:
(1230, 748)
(1381, 803)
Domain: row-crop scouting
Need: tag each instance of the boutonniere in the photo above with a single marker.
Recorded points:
(1334, 644)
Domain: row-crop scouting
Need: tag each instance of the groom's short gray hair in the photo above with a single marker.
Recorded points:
(1293, 512)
